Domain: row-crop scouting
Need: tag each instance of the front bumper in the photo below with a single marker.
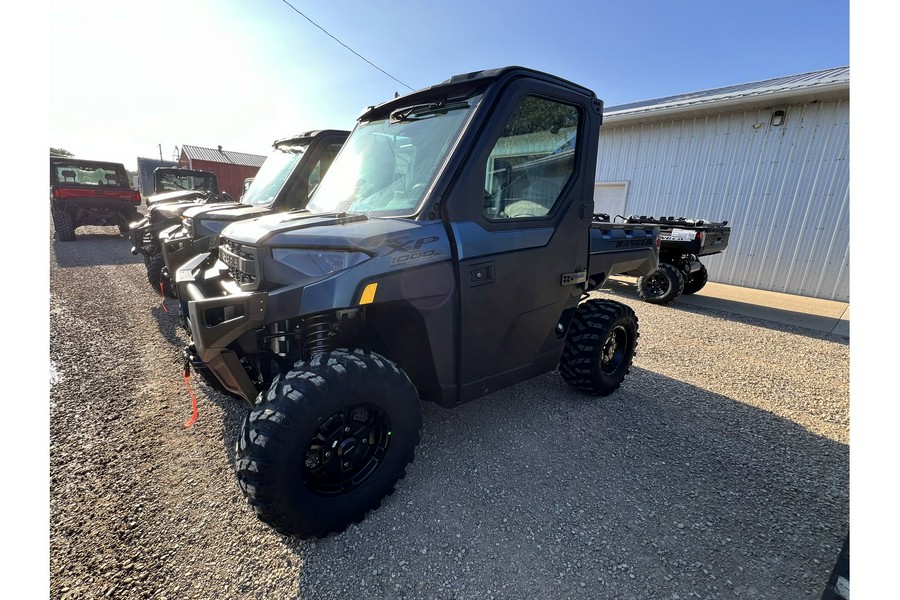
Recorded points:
(217, 317)
(179, 248)
(139, 234)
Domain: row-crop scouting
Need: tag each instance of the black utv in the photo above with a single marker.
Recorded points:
(283, 183)
(175, 190)
(447, 254)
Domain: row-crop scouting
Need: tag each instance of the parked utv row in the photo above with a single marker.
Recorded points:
(442, 250)
(283, 183)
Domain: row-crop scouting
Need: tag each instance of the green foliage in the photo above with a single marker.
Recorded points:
(60, 153)
(536, 114)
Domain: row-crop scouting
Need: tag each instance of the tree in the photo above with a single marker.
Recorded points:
(60, 153)
(536, 114)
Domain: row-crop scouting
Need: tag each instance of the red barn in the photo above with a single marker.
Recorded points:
(231, 168)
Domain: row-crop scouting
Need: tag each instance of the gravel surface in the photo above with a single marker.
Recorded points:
(718, 470)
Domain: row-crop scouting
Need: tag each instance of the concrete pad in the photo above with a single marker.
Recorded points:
(827, 316)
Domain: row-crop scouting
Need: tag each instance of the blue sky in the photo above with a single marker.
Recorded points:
(241, 73)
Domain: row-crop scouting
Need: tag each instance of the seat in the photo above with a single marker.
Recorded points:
(524, 208)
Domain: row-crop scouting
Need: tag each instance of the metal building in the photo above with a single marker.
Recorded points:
(231, 168)
(770, 157)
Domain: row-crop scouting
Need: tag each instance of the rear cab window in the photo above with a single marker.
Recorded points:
(88, 175)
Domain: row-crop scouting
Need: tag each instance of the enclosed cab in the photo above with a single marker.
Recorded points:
(89, 192)
(446, 254)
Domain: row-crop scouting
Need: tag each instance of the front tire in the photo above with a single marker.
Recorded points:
(159, 281)
(327, 442)
(62, 222)
(696, 281)
(662, 285)
(125, 223)
(600, 346)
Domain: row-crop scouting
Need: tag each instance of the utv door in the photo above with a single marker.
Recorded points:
(520, 221)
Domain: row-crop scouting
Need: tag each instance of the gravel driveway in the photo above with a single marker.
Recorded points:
(718, 470)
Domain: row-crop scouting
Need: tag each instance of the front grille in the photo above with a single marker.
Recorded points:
(241, 261)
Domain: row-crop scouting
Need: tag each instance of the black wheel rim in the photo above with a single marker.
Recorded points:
(614, 350)
(656, 285)
(346, 450)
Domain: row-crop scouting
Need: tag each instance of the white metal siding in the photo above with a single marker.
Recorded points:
(784, 190)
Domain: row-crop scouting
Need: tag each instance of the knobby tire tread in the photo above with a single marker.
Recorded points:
(591, 325)
(675, 284)
(284, 411)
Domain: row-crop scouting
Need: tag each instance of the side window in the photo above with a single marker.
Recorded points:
(532, 161)
(315, 176)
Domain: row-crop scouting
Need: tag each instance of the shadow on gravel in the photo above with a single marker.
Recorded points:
(662, 488)
(94, 249)
(732, 311)
(169, 323)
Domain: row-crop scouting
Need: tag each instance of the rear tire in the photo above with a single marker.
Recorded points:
(600, 346)
(159, 281)
(62, 223)
(696, 281)
(327, 442)
(662, 285)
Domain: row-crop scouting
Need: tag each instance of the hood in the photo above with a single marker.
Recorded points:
(302, 228)
(178, 196)
(167, 210)
(231, 213)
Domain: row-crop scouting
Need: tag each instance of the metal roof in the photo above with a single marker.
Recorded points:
(824, 84)
(222, 156)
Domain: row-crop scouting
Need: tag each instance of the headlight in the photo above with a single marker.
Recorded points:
(317, 263)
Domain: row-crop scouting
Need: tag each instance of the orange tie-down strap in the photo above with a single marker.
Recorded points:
(187, 383)
(162, 292)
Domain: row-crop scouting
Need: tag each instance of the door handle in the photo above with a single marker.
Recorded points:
(481, 274)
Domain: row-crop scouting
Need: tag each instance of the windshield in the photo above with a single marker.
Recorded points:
(175, 182)
(272, 175)
(386, 165)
